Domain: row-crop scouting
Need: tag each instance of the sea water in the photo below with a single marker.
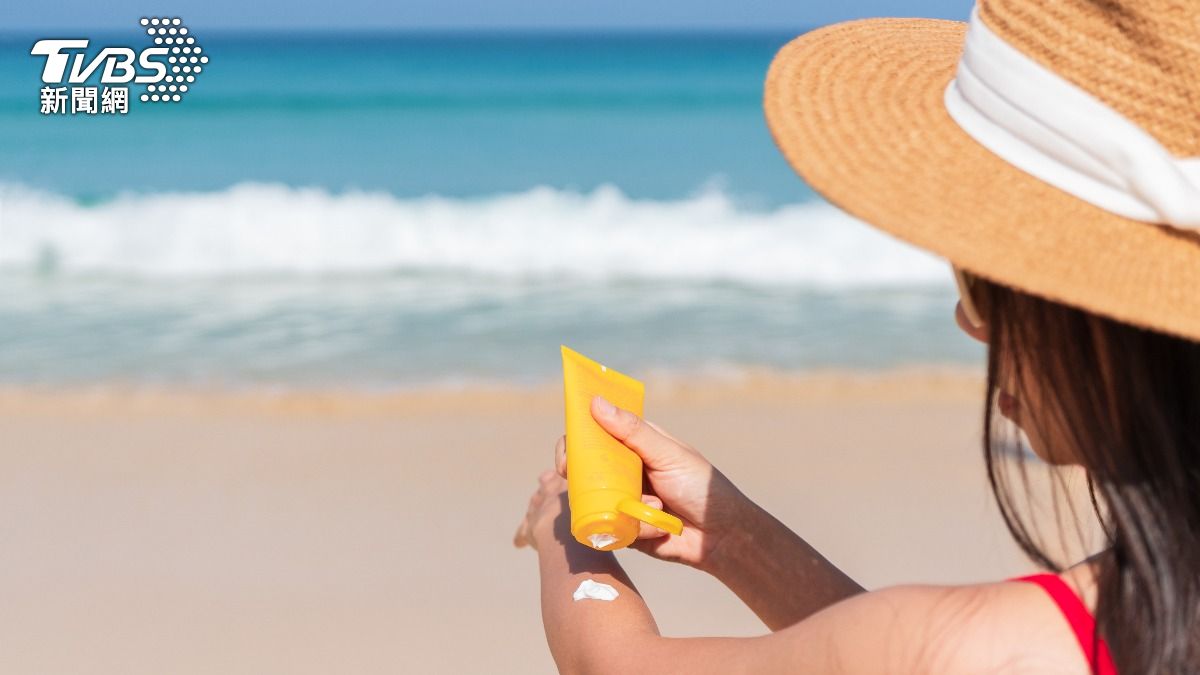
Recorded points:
(391, 210)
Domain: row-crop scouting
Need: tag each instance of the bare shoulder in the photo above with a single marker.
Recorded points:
(1005, 627)
(1010, 627)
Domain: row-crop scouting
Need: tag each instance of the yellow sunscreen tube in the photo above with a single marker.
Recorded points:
(604, 478)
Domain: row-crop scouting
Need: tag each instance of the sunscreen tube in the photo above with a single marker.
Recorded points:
(604, 478)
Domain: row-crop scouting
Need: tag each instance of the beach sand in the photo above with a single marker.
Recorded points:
(321, 532)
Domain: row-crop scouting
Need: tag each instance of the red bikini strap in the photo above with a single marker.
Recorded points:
(1081, 620)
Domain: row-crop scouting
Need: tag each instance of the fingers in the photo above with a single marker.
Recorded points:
(665, 433)
(549, 482)
(645, 530)
(656, 449)
(521, 536)
(650, 546)
(560, 456)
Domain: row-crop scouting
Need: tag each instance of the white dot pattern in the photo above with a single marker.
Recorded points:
(159, 28)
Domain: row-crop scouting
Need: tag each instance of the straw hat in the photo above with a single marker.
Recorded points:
(1061, 158)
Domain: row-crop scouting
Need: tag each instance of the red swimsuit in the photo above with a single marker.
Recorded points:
(1077, 614)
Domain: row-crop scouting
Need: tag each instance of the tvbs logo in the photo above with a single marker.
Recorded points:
(168, 70)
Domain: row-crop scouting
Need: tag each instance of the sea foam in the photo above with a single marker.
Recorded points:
(543, 233)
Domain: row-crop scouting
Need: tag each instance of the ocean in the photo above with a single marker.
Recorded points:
(394, 210)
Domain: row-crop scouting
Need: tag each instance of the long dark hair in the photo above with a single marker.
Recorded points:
(1124, 402)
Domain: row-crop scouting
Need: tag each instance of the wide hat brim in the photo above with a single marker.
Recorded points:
(857, 109)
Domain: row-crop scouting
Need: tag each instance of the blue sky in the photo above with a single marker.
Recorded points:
(467, 14)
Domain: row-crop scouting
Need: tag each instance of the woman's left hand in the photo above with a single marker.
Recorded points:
(545, 506)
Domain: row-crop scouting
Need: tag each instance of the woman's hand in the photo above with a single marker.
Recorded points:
(545, 506)
(775, 572)
(683, 482)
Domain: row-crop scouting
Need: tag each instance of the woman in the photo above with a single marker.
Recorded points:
(1046, 153)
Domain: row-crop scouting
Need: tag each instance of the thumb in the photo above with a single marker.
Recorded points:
(657, 450)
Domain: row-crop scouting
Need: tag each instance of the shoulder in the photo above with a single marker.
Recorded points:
(999, 627)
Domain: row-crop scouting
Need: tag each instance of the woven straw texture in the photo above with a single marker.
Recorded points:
(857, 110)
(1141, 57)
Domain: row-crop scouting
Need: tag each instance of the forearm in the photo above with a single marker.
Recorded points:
(588, 636)
(779, 576)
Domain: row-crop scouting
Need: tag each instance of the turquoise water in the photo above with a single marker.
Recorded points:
(459, 116)
(365, 210)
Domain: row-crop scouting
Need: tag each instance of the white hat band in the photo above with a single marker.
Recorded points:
(1048, 127)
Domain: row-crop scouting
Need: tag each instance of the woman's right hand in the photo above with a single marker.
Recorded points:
(683, 483)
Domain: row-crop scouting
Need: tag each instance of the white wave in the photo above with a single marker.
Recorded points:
(257, 229)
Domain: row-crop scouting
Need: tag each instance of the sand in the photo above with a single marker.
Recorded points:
(152, 531)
